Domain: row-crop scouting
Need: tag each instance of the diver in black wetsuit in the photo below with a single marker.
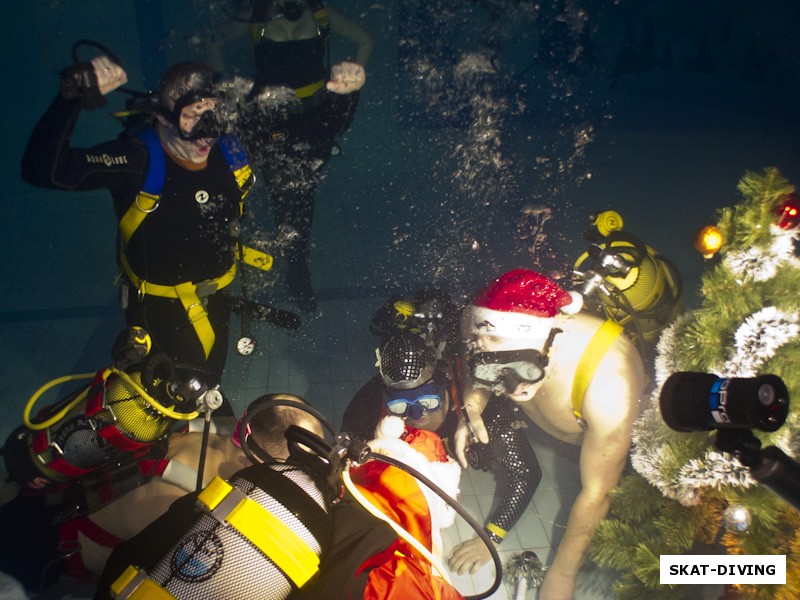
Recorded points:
(177, 240)
(292, 144)
(414, 385)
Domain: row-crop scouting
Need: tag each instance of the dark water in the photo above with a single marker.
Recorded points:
(487, 132)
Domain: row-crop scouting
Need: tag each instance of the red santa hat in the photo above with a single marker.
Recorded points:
(521, 304)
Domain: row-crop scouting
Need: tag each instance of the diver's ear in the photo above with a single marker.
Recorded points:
(163, 120)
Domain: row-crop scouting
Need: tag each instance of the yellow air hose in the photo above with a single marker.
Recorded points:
(167, 412)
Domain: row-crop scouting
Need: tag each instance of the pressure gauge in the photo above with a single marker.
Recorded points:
(245, 346)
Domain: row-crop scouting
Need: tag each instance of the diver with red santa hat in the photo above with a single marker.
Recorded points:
(574, 374)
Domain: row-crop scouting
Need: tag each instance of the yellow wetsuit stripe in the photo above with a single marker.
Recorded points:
(498, 531)
(266, 531)
(590, 359)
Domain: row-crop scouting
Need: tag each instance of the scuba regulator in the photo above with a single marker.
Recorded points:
(629, 282)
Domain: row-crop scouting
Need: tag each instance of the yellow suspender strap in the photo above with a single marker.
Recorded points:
(134, 584)
(598, 346)
(255, 258)
(243, 175)
(263, 529)
(142, 206)
(198, 315)
(189, 294)
(309, 90)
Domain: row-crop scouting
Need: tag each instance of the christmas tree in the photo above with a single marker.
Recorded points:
(685, 496)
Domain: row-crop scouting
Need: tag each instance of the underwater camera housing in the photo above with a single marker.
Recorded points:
(734, 407)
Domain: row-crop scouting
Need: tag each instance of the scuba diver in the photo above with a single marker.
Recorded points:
(573, 374)
(419, 380)
(177, 184)
(333, 532)
(292, 143)
(56, 537)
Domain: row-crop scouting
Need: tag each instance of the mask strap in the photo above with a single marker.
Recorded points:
(548, 344)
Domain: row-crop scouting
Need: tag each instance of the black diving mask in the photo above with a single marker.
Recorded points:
(208, 125)
(503, 371)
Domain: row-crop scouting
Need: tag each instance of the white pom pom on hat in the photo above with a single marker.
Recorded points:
(521, 304)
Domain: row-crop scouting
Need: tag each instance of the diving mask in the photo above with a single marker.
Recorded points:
(416, 404)
(206, 126)
(504, 371)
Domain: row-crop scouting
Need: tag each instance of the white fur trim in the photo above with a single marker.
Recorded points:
(574, 307)
(446, 475)
(507, 324)
(390, 428)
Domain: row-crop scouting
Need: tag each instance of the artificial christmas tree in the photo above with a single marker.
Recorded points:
(686, 496)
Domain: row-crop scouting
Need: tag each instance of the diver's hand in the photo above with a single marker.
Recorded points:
(109, 74)
(346, 77)
(463, 438)
(469, 556)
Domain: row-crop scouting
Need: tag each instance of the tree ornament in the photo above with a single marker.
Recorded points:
(736, 518)
(708, 241)
(788, 211)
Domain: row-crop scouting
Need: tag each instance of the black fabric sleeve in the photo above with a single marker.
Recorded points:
(50, 162)
(339, 113)
(364, 411)
(148, 547)
(514, 463)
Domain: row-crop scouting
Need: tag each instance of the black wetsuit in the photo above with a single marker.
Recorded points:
(291, 147)
(510, 456)
(184, 239)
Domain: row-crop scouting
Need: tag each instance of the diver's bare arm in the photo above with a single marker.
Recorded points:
(349, 29)
(610, 408)
(474, 403)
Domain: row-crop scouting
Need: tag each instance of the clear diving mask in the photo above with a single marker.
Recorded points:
(207, 126)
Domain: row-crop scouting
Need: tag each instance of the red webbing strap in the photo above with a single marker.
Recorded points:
(116, 438)
(69, 546)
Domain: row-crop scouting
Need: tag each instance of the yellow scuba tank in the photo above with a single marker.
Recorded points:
(112, 419)
(637, 286)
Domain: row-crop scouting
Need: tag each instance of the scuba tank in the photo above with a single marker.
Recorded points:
(430, 314)
(266, 532)
(638, 288)
(125, 409)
